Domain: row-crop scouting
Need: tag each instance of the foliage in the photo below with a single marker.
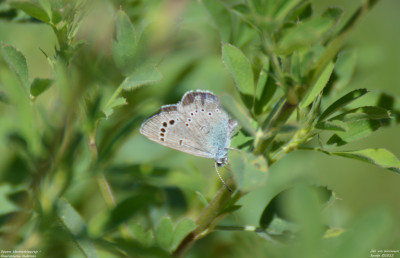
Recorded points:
(70, 185)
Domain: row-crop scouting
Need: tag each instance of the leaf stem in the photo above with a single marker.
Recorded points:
(115, 95)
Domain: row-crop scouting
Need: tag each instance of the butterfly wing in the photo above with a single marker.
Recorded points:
(167, 128)
(203, 116)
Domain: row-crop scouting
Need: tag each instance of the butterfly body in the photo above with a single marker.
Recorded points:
(197, 125)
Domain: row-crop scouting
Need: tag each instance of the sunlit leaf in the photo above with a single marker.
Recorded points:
(319, 85)
(380, 157)
(32, 9)
(239, 67)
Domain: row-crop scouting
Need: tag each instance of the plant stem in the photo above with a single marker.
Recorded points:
(207, 219)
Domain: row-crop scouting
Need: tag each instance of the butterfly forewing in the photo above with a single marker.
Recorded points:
(168, 129)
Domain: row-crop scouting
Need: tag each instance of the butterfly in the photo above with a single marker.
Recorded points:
(197, 125)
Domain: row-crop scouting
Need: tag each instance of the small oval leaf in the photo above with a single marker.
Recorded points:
(239, 67)
(40, 85)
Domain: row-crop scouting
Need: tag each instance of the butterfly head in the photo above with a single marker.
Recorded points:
(222, 158)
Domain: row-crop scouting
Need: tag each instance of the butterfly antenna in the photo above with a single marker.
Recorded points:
(216, 169)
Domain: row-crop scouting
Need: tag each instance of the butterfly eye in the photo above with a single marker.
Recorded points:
(163, 130)
(165, 124)
(171, 122)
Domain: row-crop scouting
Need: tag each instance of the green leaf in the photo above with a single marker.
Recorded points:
(343, 101)
(114, 104)
(319, 85)
(40, 85)
(17, 63)
(73, 222)
(239, 67)
(380, 157)
(357, 129)
(305, 34)
(165, 233)
(220, 17)
(32, 9)
(250, 171)
(335, 125)
(125, 44)
(344, 68)
(363, 113)
(145, 74)
(181, 231)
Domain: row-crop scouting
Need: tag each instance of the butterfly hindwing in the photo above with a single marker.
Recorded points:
(206, 119)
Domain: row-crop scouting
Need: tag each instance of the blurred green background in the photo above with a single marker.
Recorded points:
(191, 59)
